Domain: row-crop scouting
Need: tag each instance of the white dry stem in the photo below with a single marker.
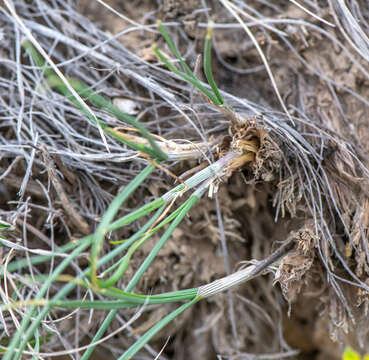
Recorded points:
(232, 9)
(54, 67)
(255, 22)
(125, 18)
(226, 283)
(312, 14)
(174, 150)
(216, 169)
(257, 268)
(15, 246)
(354, 34)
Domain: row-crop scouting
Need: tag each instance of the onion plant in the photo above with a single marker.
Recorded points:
(160, 212)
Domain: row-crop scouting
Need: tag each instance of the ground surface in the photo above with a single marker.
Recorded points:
(323, 82)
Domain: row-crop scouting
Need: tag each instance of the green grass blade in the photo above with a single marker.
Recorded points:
(123, 300)
(107, 321)
(98, 236)
(112, 314)
(10, 353)
(114, 304)
(110, 317)
(126, 259)
(37, 344)
(147, 262)
(37, 58)
(207, 64)
(99, 101)
(91, 304)
(194, 81)
(174, 49)
(123, 265)
(167, 220)
(155, 329)
(109, 215)
(139, 299)
(134, 215)
(63, 292)
(214, 96)
(4, 225)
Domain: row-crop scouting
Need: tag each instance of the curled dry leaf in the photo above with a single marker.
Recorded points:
(293, 267)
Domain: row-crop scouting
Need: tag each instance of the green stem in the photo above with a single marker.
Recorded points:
(63, 292)
(9, 355)
(112, 314)
(147, 262)
(113, 208)
(134, 215)
(125, 261)
(174, 49)
(207, 65)
(139, 344)
(195, 82)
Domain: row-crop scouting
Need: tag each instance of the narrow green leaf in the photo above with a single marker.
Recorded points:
(110, 317)
(140, 343)
(194, 81)
(26, 334)
(21, 332)
(109, 215)
(4, 225)
(147, 262)
(174, 49)
(37, 344)
(137, 214)
(207, 65)
(84, 91)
